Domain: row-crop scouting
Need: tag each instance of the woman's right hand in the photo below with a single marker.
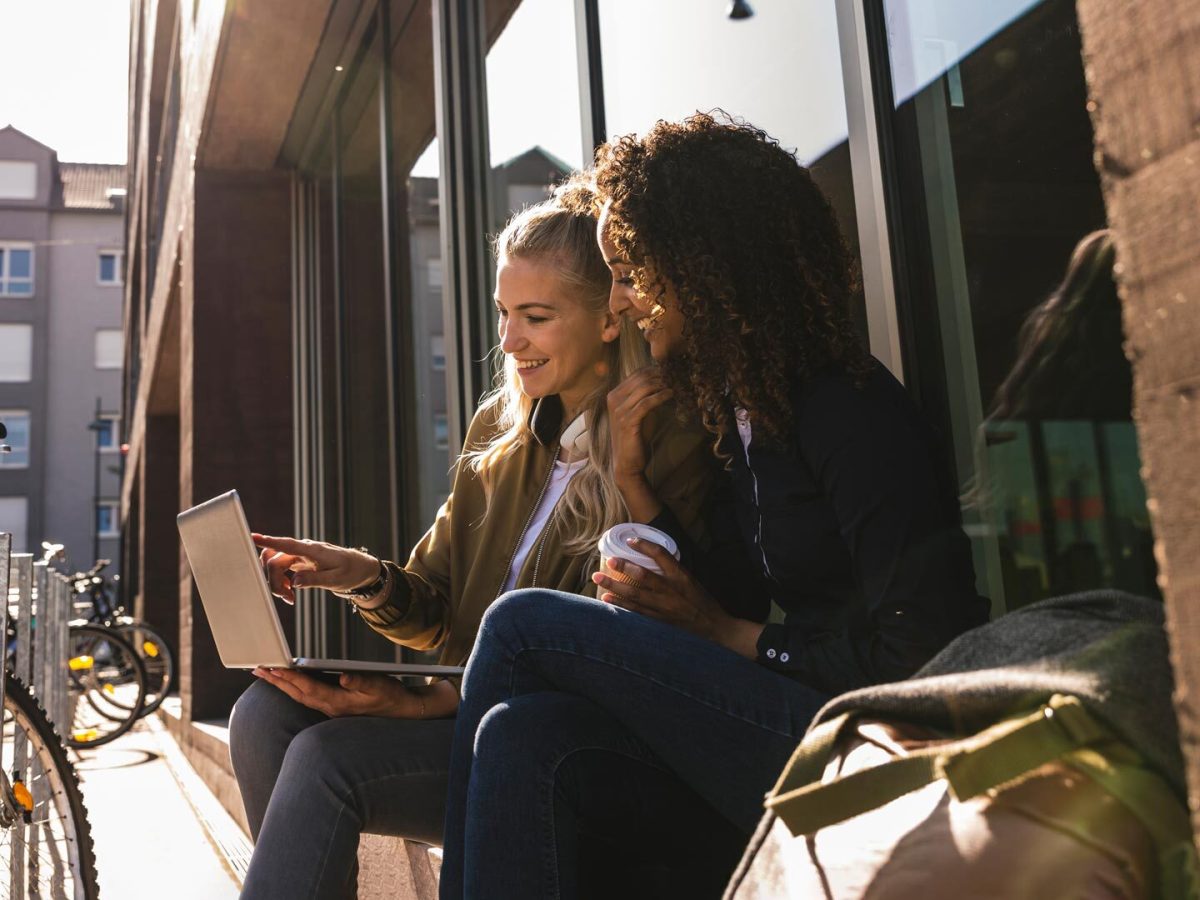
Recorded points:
(290, 564)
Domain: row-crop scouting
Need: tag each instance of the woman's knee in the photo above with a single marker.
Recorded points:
(518, 616)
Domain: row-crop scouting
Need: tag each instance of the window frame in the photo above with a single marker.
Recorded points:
(115, 507)
(6, 264)
(96, 350)
(6, 416)
(118, 267)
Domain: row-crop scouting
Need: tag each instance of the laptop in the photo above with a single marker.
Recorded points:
(239, 604)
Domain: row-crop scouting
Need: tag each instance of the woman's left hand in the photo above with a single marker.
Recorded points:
(355, 694)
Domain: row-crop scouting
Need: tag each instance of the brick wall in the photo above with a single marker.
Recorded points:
(1143, 68)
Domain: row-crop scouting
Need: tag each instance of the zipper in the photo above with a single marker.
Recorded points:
(525, 527)
(757, 506)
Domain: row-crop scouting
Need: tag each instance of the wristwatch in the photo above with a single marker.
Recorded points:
(367, 591)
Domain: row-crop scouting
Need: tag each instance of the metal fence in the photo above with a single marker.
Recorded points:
(40, 605)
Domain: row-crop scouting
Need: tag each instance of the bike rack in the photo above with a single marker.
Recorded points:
(43, 599)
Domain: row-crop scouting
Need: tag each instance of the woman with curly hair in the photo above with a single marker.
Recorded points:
(657, 717)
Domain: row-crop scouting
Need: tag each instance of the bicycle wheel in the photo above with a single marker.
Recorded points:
(45, 838)
(106, 686)
(157, 657)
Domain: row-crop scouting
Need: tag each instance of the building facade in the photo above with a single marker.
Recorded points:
(313, 189)
(61, 284)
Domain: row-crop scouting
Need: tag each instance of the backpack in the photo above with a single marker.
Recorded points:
(1034, 757)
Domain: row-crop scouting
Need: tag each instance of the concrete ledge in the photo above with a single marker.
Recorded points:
(389, 868)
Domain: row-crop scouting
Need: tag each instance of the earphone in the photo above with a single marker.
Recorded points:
(576, 437)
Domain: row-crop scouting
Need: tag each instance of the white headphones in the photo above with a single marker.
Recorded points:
(576, 437)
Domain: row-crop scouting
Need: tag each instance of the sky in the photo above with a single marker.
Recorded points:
(63, 75)
(63, 69)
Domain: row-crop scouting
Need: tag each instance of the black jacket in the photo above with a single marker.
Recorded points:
(852, 529)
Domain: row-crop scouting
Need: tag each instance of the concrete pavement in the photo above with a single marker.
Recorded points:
(157, 830)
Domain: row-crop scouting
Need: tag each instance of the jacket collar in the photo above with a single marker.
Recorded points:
(546, 419)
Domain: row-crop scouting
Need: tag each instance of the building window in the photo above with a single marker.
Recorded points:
(437, 352)
(107, 520)
(111, 264)
(16, 352)
(109, 348)
(433, 272)
(14, 511)
(16, 270)
(441, 431)
(18, 179)
(17, 423)
(108, 432)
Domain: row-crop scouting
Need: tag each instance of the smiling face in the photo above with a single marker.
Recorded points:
(556, 342)
(659, 319)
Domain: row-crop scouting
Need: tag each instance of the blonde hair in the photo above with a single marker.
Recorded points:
(561, 233)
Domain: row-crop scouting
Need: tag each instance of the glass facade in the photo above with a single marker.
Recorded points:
(1016, 325)
(436, 126)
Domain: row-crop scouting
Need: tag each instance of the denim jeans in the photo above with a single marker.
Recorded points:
(312, 784)
(563, 698)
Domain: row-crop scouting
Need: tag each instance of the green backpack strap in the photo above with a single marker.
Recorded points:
(1119, 771)
(1062, 729)
(999, 754)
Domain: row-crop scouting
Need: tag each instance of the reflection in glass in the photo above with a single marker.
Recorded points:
(533, 109)
(996, 189)
(780, 70)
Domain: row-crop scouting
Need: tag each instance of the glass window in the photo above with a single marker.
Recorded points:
(531, 62)
(107, 431)
(16, 270)
(441, 430)
(110, 348)
(780, 69)
(437, 352)
(1017, 324)
(16, 352)
(108, 523)
(18, 179)
(14, 514)
(416, 169)
(17, 423)
(110, 267)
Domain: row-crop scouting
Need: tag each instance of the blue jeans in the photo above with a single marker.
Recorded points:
(312, 784)
(563, 699)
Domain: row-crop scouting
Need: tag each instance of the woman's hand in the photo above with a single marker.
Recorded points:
(628, 405)
(290, 564)
(675, 597)
(357, 694)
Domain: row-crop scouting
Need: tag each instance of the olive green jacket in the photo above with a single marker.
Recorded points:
(459, 567)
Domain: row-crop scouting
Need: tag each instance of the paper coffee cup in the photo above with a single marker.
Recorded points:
(613, 545)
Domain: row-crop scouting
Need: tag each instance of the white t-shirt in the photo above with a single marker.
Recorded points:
(561, 477)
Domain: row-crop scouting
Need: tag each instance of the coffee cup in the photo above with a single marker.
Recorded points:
(613, 545)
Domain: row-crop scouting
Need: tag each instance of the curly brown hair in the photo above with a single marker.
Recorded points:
(715, 209)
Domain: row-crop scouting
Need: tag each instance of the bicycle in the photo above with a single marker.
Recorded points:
(158, 657)
(46, 845)
(105, 680)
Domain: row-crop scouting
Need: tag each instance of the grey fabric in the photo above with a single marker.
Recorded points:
(1107, 648)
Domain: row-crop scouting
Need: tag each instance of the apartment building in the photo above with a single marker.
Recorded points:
(61, 349)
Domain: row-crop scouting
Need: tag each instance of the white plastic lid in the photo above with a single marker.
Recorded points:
(612, 543)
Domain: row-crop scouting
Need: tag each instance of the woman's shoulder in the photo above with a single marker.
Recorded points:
(485, 427)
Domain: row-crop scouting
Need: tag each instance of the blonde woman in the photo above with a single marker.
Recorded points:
(317, 762)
